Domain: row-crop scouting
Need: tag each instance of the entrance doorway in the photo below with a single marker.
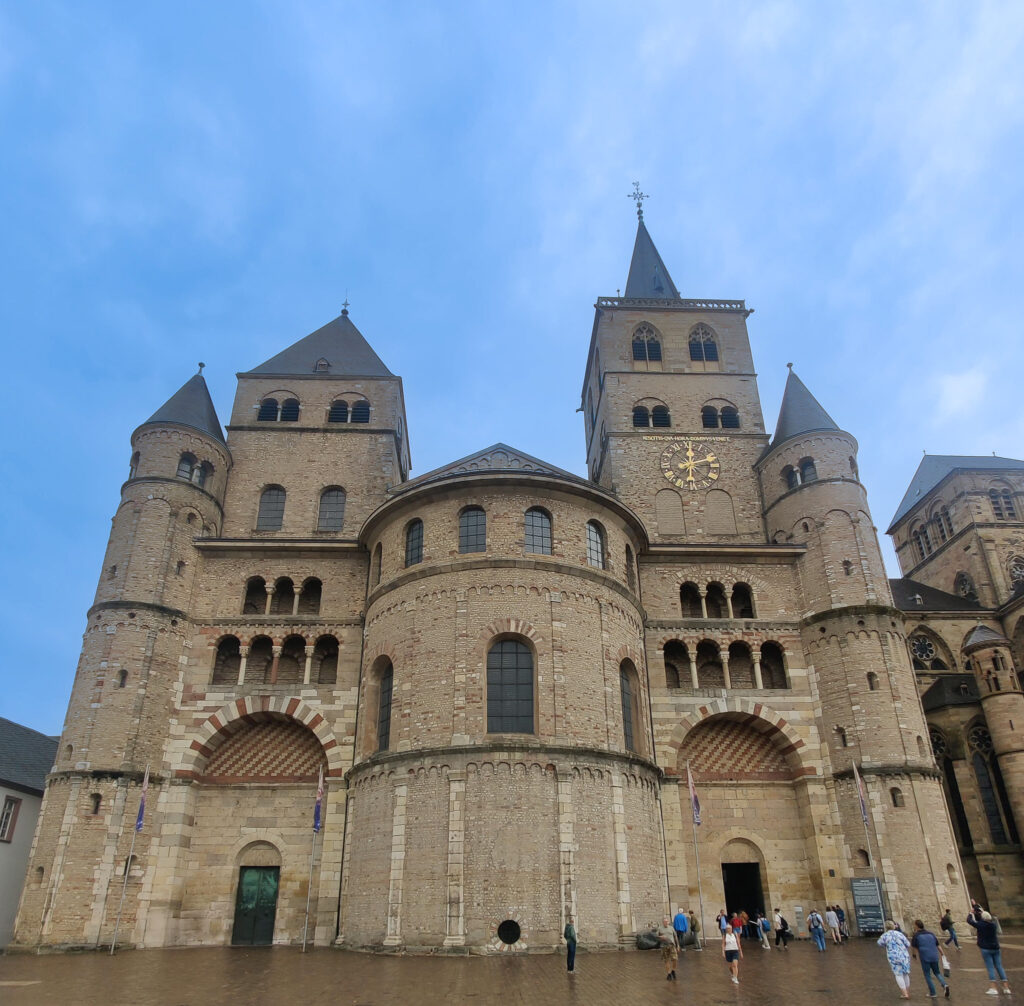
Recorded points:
(743, 891)
(255, 906)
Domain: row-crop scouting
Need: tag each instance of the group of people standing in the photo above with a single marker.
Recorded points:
(834, 920)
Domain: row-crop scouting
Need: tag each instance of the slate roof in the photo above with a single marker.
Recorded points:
(935, 467)
(799, 412)
(25, 756)
(191, 405)
(904, 589)
(496, 458)
(951, 690)
(982, 635)
(338, 342)
(648, 276)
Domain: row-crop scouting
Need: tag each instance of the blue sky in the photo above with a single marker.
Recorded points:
(196, 181)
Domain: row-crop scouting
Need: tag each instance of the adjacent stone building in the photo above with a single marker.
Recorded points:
(504, 670)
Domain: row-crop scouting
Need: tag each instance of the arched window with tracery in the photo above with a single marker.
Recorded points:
(940, 750)
(646, 344)
(510, 688)
(991, 787)
(271, 512)
(1015, 567)
(703, 347)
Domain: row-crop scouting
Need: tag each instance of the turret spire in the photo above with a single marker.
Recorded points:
(800, 411)
(191, 405)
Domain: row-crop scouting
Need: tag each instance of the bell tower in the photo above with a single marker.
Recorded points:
(672, 416)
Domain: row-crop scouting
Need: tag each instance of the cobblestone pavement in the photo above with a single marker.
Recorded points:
(854, 974)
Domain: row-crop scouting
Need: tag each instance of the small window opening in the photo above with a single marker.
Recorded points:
(268, 411)
(872, 681)
(709, 417)
(641, 417)
(730, 418)
(95, 801)
(290, 410)
(896, 795)
(122, 679)
(361, 412)
(179, 567)
(660, 417)
(338, 412)
(112, 572)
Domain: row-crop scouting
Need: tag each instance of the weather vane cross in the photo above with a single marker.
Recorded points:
(638, 197)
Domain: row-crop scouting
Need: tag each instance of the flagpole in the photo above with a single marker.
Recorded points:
(128, 864)
(309, 891)
(696, 854)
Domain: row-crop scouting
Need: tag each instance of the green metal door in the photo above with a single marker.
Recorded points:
(255, 906)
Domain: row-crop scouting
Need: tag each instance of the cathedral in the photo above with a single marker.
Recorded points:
(506, 674)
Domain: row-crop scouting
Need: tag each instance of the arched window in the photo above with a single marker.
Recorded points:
(709, 417)
(283, 599)
(660, 417)
(414, 542)
(332, 509)
(201, 474)
(179, 567)
(964, 586)
(710, 673)
(375, 565)
(641, 417)
(630, 569)
(322, 366)
(537, 526)
(1003, 507)
(387, 684)
(689, 597)
(841, 737)
(741, 666)
(122, 679)
(271, 512)
(677, 665)
(897, 797)
(595, 545)
(338, 412)
(259, 661)
(325, 661)
(255, 602)
(808, 471)
(290, 410)
(940, 750)
(291, 664)
(310, 596)
(872, 681)
(742, 601)
(1015, 567)
(646, 345)
(473, 530)
(730, 418)
(702, 345)
(714, 600)
(361, 412)
(991, 787)
(629, 694)
(773, 666)
(863, 859)
(186, 464)
(791, 477)
(268, 411)
(510, 688)
(853, 468)
(133, 465)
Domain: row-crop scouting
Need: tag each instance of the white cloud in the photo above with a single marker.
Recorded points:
(961, 395)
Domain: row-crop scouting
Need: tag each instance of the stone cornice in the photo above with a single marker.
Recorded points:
(161, 609)
(672, 304)
(721, 552)
(278, 544)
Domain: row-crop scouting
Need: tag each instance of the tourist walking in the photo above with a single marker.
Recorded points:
(669, 948)
(816, 926)
(844, 929)
(897, 950)
(722, 918)
(926, 943)
(781, 930)
(988, 944)
(695, 929)
(947, 926)
(833, 923)
(680, 924)
(569, 933)
(764, 927)
(732, 953)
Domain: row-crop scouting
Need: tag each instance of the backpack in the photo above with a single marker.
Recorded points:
(944, 924)
(766, 925)
(785, 924)
(815, 921)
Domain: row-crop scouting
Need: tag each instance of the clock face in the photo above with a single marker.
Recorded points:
(690, 464)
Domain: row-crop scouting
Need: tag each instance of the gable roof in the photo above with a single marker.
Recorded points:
(906, 591)
(25, 756)
(338, 342)
(648, 277)
(191, 405)
(800, 412)
(935, 467)
(496, 458)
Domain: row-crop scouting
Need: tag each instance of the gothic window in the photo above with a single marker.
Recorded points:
(641, 417)
(255, 602)
(940, 749)
(361, 412)
(268, 411)
(271, 512)
(709, 417)
(414, 542)
(1003, 507)
(387, 684)
(628, 694)
(702, 345)
(290, 410)
(646, 345)
(922, 648)
(991, 787)
(332, 509)
(730, 418)
(1016, 568)
(808, 471)
(473, 530)
(537, 528)
(186, 464)
(510, 688)
(338, 412)
(595, 544)
(310, 596)
(660, 416)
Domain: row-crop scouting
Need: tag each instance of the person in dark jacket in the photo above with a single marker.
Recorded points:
(569, 935)
(926, 944)
(947, 926)
(988, 944)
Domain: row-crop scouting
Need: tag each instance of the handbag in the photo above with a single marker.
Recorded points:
(945, 965)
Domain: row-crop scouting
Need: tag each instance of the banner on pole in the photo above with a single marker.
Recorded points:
(694, 802)
(319, 801)
(142, 801)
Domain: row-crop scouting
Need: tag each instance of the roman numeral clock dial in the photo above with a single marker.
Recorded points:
(690, 464)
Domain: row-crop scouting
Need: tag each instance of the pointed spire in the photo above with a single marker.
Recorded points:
(191, 405)
(800, 411)
(648, 278)
(338, 349)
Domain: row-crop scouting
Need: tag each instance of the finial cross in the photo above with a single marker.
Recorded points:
(344, 306)
(638, 197)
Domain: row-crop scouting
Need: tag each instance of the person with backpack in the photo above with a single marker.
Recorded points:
(781, 930)
(764, 927)
(816, 925)
(947, 926)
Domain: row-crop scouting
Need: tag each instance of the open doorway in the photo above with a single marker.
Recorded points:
(743, 890)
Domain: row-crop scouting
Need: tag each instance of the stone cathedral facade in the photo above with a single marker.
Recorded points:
(504, 669)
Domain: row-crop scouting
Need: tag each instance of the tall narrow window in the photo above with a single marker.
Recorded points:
(227, 661)
(332, 509)
(473, 530)
(290, 410)
(808, 471)
(538, 531)
(133, 465)
(271, 512)
(630, 569)
(792, 477)
(646, 345)
(338, 412)
(629, 700)
(186, 463)
(641, 417)
(375, 565)
(660, 417)
(1002, 504)
(703, 347)
(387, 683)
(268, 411)
(361, 412)
(595, 545)
(510, 688)
(201, 474)
(414, 542)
